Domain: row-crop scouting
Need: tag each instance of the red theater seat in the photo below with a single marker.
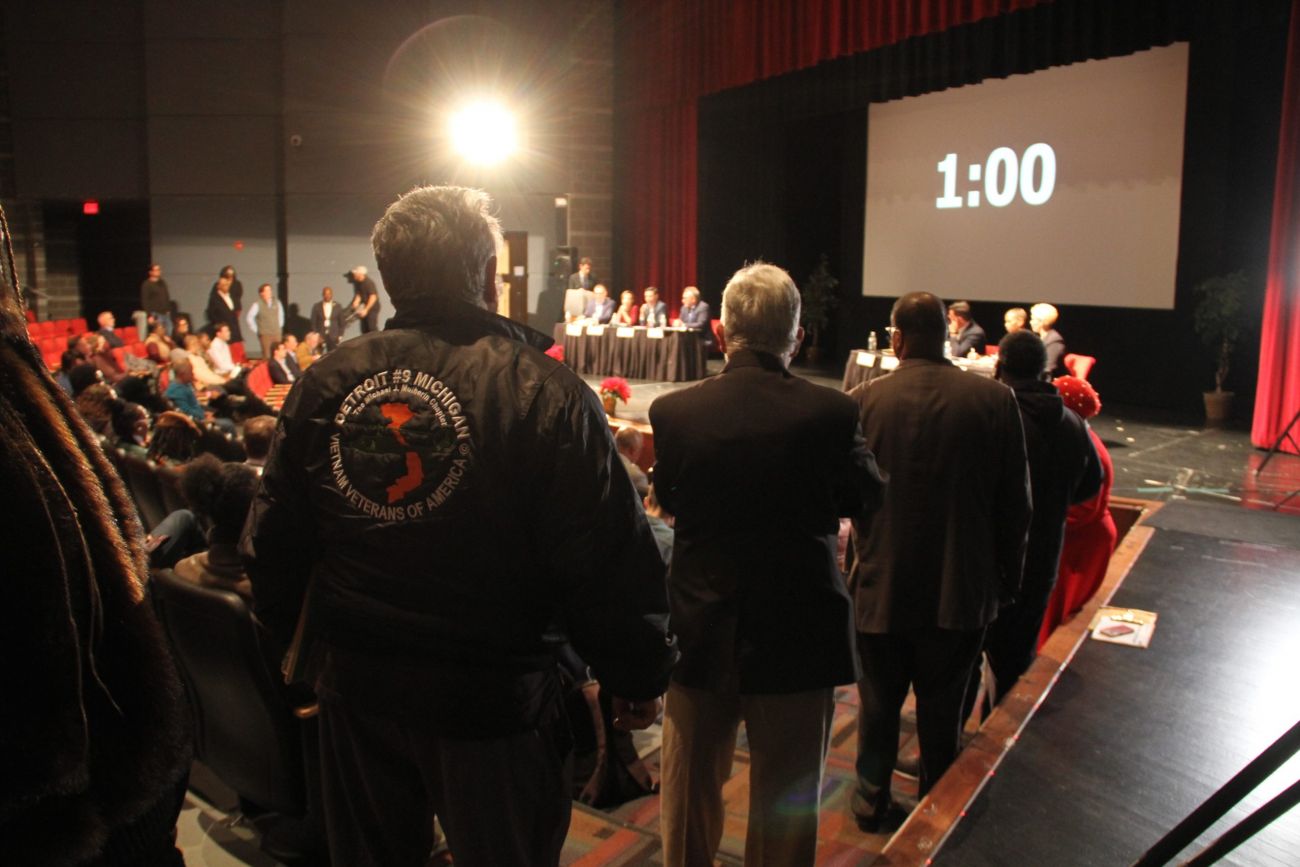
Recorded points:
(77, 326)
(129, 334)
(259, 380)
(237, 353)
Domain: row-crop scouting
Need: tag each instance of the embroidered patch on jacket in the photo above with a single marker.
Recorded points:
(403, 446)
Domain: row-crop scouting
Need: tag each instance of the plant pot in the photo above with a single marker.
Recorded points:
(610, 402)
(1218, 407)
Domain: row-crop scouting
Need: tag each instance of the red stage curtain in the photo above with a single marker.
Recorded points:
(674, 51)
(1277, 394)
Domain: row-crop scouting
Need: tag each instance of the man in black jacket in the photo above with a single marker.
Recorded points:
(1064, 469)
(932, 567)
(757, 466)
(451, 493)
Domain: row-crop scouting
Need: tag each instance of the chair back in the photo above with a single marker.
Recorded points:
(259, 380)
(142, 480)
(1079, 365)
(169, 484)
(245, 728)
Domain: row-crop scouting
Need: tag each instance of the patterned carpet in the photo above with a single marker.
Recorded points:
(629, 834)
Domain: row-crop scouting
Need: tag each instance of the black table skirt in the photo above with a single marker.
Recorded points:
(678, 356)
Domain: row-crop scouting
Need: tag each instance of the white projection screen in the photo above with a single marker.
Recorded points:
(1059, 186)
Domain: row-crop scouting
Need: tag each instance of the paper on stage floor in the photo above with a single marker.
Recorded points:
(1131, 626)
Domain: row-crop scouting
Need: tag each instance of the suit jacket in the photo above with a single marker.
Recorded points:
(331, 334)
(971, 337)
(577, 282)
(291, 361)
(656, 316)
(696, 317)
(1054, 343)
(757, 466)
(219, 313)
(947, 548)
(600, 312)
(280, 376)
(111, 336)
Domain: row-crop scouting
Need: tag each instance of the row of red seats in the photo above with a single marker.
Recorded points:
(57, 328)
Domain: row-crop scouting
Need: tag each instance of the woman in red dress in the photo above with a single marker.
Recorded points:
(1089, 529)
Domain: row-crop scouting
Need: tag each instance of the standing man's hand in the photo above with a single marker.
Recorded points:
(635, 715)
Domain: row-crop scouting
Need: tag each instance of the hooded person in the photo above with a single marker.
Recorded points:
(1064, 469)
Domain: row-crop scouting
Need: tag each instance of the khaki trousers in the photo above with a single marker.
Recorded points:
(268, 341)
(789, 735)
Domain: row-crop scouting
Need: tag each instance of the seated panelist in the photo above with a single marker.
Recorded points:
(600, 309)
(694, 313)
(654, 313)
(626, 314)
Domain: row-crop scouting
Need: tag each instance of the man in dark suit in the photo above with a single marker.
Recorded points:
(582, 278)
(278, 366)
(964, 333)
(1064, 469)
(107, 322)
(654, 313)
(932, 567)
(327, 319)
(600, 308)
(757, 465)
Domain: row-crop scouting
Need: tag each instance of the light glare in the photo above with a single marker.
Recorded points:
(483, 133)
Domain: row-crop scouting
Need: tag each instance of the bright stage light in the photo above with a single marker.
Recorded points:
(483, 133)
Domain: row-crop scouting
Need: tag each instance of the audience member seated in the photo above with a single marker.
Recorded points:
(629, 443)
(219, 495)
(107, 322)
(133, 363)
(182, 394)
(310, 349)
(291, 356)
(626, 314)
(102, 357)
(654, 313)
(258, 432)
(222, 362)
(175, 437)
(660, 523)
(184, 328)
(158, 344)
(278, 366)
(965, 336)
(70, 360)
(131, 423)
(95, 403)
(203, 373)
(600, 309)
(1042, 319)
(1090, 532)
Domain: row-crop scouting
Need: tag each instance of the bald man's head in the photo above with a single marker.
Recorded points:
(921, 321)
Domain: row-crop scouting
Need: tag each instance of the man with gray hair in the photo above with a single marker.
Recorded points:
(452, 495)
(757, 466)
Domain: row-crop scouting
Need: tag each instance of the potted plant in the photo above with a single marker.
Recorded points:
(818, 300)
(1217, 319)
(612, 390)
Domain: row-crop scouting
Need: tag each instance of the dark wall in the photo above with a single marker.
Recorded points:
(783, 163)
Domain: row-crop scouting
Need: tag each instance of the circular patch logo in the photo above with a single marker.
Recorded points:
(403, 446)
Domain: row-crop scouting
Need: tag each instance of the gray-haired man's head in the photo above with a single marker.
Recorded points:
(439, 242)
(760, 311)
